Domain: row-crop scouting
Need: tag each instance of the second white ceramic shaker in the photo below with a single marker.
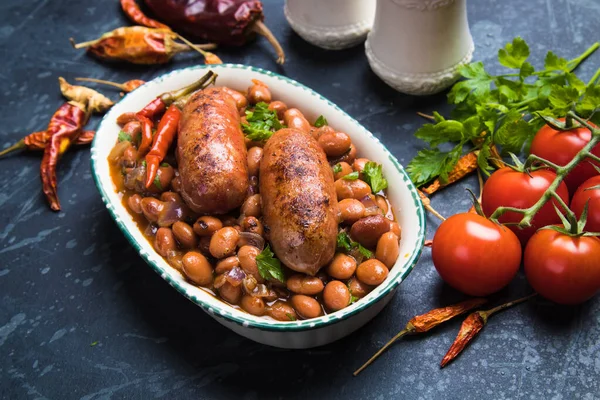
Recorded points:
(417, 46)
(331, 24)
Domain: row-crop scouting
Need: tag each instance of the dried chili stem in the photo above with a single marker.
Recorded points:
(209, 58)
(431, 117)
(428, 207)
(17, 146)
(260, 28)
(472, 325)
(425, 322)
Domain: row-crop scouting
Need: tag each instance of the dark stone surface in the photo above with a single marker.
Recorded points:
(70, 279)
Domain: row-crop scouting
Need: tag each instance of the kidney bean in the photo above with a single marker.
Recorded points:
(163, 179)
(185, 235)
(382, 203)
(204, 245)
(304, 284)
(240, 99)
(134, 202)
(346, 189)
(335, 144)
(223, 242)
(174, 259)
(348, 157)
(395, 228)
(259, 92)
(253, 305)
(129, 157)
(372, 272)
(282, 311)
(247, 256)
(359, 165)
(252, 224)
(227, 264)
(151, 208)
(318, 132)
(279, 107)
(197, 268)
(358, 289)
(176, 183)
(336, 296)
(345, 170)
(172, 197)
(164, 241)
(342, 266)
(351, 210)
(206, 226)
(231, 294)
(367, 231)
(229, 220)
(252, 206)
(294, 118)
(388, 249)
(306, 306)
(254, 156)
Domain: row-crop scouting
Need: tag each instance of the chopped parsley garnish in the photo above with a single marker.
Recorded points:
(321, 121)
(157, 182)
(374, 176)
(344, 242)
(337, 168)
(262, 122)
(352, 176)
(124, 137)
(269, 267)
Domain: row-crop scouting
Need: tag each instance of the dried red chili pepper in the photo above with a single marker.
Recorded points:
(127, 87)
(132, 10)
(472, 325)
(64, 129)
(95, 101)
(165, 134)
(427, 204)
(425, 322)
(38, 141)
(138, 45)
(160, 103)
(466, 164)
(227, 22)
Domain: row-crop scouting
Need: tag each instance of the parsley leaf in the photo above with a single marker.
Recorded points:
(337, 168)
(373, 173)
(269, 267)
(352, 176)
(364, 251)
(164, 165)
(478, 82)
(353, 299)
(290, 316)
(514, 54)
(429, 164)
(262, 122)
(157, 182)
(344, 242)
(552, 62)
(124, 137)
(321, 121)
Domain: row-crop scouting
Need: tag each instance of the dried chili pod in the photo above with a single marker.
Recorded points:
(472, 325)
(427, 204)
(64, 129)
(132, 10)
(96, 101)
(425, 322)
(227, 22)
(127, 87)
(37, 141)
(465, 165)
(138, 45)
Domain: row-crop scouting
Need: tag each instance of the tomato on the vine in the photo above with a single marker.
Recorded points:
(475, 255)
(509, 188)
(584, 195)
(560, 147)
(563, 268)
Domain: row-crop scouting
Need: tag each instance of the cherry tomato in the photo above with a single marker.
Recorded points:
(563, 268)
(582, 196)
(510, 188)
(560, 148)
(474, 255)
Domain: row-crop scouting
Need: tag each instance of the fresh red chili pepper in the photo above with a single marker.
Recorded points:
(127, 87)
(160, 103)
(227, 22)
(165, 134)
(64, 129)
(132, 10)
(146, 134)
(138, 45)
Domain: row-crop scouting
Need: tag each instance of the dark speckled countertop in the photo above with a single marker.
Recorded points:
(82, 316)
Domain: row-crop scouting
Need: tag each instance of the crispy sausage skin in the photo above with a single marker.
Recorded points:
(211, 153)
(299, 204)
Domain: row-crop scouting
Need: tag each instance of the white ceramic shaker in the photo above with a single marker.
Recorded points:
(331, 24)
(417, 46)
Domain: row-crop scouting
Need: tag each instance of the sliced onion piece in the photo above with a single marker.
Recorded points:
(171, 213)
(235, 276)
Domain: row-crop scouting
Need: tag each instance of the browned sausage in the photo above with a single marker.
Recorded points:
(299, 204)
(211, 153)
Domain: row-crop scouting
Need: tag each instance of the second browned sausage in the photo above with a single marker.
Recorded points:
(299, 204)
(211, 153)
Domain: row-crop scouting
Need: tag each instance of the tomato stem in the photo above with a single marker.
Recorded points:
(561, 173)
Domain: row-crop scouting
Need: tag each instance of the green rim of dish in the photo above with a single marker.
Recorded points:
(224, 311)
